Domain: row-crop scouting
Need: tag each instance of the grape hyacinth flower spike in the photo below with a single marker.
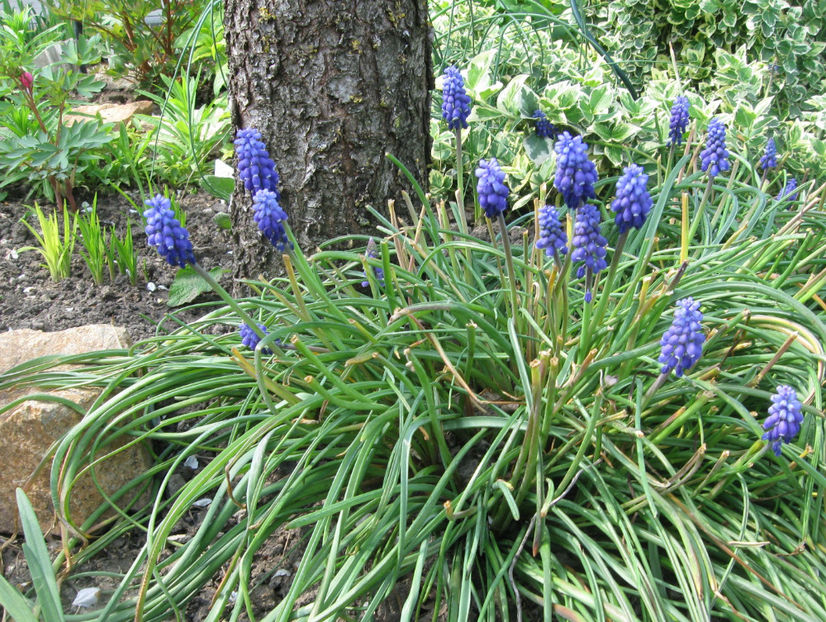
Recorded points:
(633, 202)
(166, 234)
(682, 343)
(785, 418)
(789, 190)
(575, 173)
(251, 338)
(493, 198)
(588, 245)
(714, 158)
(493, 193)
(372, 253)
(455, 100)
(255, 167)
(769, 158)
(552, 236)
(270, 218)
(679, 121)
(543, 127)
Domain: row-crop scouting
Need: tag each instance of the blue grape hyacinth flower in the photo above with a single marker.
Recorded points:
(251, 339)
(493, 193)
(270, 218)
(255, 167)
(588, 245)
(575, 173)
(633, 202)
(455, 100)
(543, 127)
(682, 343)
(166, 234)
(552, 236)
(789, 190)
(769, 158)
(714, 158)
(785, 418)
(679, 120)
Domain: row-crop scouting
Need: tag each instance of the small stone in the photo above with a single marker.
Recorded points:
(151, 286)
(87, 597)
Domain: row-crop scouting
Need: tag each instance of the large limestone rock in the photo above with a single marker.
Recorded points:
(23, 344)
(30, 428)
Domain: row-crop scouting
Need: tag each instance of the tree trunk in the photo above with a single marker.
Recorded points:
(332, 86)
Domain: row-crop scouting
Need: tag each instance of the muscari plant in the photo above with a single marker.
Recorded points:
(481, 432)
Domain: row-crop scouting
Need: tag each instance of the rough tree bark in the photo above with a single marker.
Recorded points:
(332, 85)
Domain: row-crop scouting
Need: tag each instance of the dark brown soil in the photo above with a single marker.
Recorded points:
(29, 298)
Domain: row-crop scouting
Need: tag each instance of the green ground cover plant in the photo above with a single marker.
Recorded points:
(595, 393)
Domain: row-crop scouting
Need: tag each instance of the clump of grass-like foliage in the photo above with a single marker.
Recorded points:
(483, 433)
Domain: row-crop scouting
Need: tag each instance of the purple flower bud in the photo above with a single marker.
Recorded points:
(633, 201)
(270, 219)
(714, 158)
(575, 173)
(769, 159)
(26, 81)
(165, 233)
(255, 167)
(251, 339)
(544, 128)
(372, 253)
(552, 236)
(455, 101)
(679, 120)
(785, 418)
(789, 190)
(493, 193)
(682, 343)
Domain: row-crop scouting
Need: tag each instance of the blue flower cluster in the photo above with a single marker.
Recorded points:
(679, 120)
(270, 218)
(785, 418)
(769, 158)
(255, 167)
(714, 158)
(372, 253)
(682, 343)
(544, 128)
(633, 202)
(789, 190)
(552, 236)
(575, 173)
(493, 193)
(455, 101)
(588, 243)
(251, 339)
(165, 232)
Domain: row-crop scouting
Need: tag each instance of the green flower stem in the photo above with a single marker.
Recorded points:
(677, 419)
(460, 183)
(506, 243)
(699, 215)
(231, 302)
(585, 442)
(654, 388)
(606, 294)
